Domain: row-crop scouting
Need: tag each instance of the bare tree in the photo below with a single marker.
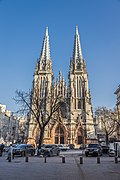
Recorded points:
(42, 107)
(108, 120)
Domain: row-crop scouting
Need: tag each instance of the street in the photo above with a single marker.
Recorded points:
(54, 169)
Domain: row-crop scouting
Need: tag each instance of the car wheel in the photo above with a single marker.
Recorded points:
(32, 153)
(86, 155)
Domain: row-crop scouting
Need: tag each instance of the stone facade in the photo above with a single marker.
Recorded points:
(74, 124)
(117, 92)
(8, 126)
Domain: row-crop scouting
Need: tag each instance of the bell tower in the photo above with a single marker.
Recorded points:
(43, 77)
(79, 93)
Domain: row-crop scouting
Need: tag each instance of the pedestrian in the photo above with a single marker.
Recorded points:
(10, 153)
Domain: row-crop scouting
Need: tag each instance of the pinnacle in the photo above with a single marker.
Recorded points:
(77, 30)
(46, 31)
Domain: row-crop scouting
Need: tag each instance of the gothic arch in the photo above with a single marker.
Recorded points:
(79, 134)
(59, 133)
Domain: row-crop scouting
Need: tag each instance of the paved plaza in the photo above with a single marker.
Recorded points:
(54, 169)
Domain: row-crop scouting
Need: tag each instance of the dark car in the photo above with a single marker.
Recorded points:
(71, 146)
(105, 149)
(93, 150)
(49, 150)
(21, 149)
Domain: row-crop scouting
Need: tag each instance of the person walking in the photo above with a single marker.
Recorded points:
(10, 153)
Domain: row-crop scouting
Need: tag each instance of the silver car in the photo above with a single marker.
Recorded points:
(49, 150)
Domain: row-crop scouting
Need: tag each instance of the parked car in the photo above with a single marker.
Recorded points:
(6, 148)
(63, 147)
(49, 150)
(22, 148)
(105, 149)
(1, 148)
(71, 146)
(93, 149)
(0, 152)
(111, 152)
(82, 146)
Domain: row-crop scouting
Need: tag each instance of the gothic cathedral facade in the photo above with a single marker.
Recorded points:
(75, 124)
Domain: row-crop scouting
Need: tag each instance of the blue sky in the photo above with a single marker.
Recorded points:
(22, 29)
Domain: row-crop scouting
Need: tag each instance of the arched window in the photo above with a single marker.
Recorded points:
(79, 104)
(59, 135)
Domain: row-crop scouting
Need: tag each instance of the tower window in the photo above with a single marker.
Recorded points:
(79, 104)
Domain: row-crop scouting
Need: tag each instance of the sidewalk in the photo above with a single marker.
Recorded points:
(54, 169)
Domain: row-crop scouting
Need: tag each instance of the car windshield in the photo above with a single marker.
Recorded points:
(93, 146)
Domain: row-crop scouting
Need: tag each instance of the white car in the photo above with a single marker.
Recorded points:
(111, 152)
(63, 147)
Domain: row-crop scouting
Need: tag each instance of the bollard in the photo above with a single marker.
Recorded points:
(81, 160)
(12, 156)
(116, 159)
(26, 156)
(63, 159)
(45, 159)
(98, 159)
(26, 159)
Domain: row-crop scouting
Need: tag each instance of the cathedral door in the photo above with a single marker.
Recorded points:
(80, 136)
(59, 135)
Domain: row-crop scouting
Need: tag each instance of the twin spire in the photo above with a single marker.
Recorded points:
(45, 53)
(77, 52)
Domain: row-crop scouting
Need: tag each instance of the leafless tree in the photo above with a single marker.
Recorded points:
(108, 120)
(42, 108)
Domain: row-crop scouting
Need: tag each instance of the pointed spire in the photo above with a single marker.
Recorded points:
(46, 31)
(45, 53)
(77, 30)
(77, 52)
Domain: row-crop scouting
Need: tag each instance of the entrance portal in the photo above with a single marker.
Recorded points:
(59, 135)
(80, 136)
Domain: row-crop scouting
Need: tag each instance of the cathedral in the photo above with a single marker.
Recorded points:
(72, 125)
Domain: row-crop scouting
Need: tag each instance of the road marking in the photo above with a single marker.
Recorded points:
(80, 169)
